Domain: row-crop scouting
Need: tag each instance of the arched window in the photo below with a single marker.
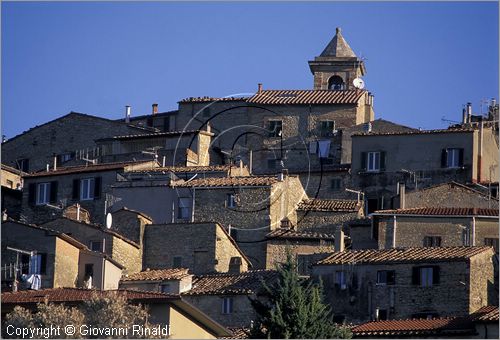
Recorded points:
(336, 83)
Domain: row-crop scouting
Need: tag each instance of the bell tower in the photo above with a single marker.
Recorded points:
(337, 66)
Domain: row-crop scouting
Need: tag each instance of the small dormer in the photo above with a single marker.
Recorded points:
(337, 66)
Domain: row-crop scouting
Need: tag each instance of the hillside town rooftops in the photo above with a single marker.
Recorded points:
(157, 135)
(292, 234)
(208, 168)
(158, 275)
(404, 255)
(226, 283)
(329, 205)
(228, 182)
(440, 211)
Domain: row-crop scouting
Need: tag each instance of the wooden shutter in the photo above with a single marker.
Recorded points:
(415, 278)
(382, 160)
(43, 263)
(32, 193)
(460, 157)
(444, 158)
(363, 161)
(53, 191)
(435, 275)
(97, 187)
(76, 189)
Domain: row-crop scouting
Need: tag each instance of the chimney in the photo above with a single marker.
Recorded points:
(469, 112)
(259, 88)
(339, 240)
(55, 162)
(155, 109)
(235, 265)
(127, 114)
(464, 115)
(402, 194)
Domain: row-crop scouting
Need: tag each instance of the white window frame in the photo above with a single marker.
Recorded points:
(453, 158)
(325, 131)
(426, 276)
(275, 132)
(87, 189)
(227, 305)
(42, 193)
(91, 245)
(231, 200)
(373, 161)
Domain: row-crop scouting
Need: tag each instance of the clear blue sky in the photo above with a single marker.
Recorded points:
(424, 60)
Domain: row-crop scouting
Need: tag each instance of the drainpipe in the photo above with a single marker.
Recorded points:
(473, 243)
(394, 232)
(480, 153)
(192, 208)
(103, 272)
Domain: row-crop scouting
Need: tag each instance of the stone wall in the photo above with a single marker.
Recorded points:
(323, 221)
(320, 184)
(484, 287)
(277, 249)
(65, 264)
(243, 312)
(361, 237)
(225, 249)
(127, 255)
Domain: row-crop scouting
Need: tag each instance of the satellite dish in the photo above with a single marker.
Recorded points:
(359, 83)
(109, 220)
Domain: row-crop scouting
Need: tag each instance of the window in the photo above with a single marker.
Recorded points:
(425, 276)
(432, 241)
(183, 211)
(42, 193)
(87, 189)
(96, 246)
(373, 161)
(275, 128)
(38, 264)
(340, 279)
(89, 270)
(492, 242)
(227, 305)
(494, 192)
(386, 277)
(452, 158)
(336, 83)
(231, 200)
(23, 164)
(336, 184)
(303, 265)
(465, 236)
(177, 262)
(327, 128)
(165, 288)
(381, 314)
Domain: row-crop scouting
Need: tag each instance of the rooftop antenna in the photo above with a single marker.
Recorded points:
(153, 151)
(359, 83)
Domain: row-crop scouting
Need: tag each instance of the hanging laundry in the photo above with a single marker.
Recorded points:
(323, 148)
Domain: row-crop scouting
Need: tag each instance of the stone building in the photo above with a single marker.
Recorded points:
(225, 297)
(403, 283)
(250, 207)
(98, 238)
(170, 281)
(180, 319)
(12, 191)
(436, 227)
(56, 258)
(47, 193)
(64, 139)
(202, 247)
(382, 160)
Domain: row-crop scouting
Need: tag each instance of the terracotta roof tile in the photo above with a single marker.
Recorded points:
(225, 283)
(414, 132)
(154, 135)
(211, 99)
(76, 295)
(222, 168)
(288, 97)
(440, 211)
(414, 327)
(328, 205)
(486, 314)
(292, 234)
(399, 255)
(158, 275)
(86, 168)
(229, 182)
(239, 333)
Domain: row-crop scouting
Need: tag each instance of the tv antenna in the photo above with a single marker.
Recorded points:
(153, 151)
(358, 83)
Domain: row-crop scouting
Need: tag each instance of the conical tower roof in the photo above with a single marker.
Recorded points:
(338, 47)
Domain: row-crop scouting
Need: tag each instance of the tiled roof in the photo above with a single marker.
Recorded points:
(154, 135)
(86, 168)
(13, 170)
(338, 47)
(76, 295)
(134, 212)
(328, 205)
(414, 132)
(452, 185)
(414, 327)
(225, 283)
(239, 333)
(438, 211)
(292, 234)
(211, 99)
(289, 97)
(157, 275)
(403, 255)
(187, 169)
(485, 314)
(229, 182)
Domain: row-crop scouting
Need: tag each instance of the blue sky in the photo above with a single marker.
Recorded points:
(424, 60)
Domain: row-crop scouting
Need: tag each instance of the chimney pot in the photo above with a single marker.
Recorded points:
(155, 109)
(402, 195)
(339, 240)
(469, 112)
(127, 114)
(259, 89)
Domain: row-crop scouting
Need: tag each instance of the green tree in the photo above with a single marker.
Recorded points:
(293, 308)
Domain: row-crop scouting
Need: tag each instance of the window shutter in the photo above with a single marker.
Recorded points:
(32, 193)
(43, 263)
(444, 158)
(382, 160)
(435, 275)
(76, 189)
(53, 192)
(97, 187)
(416, 276)
(461, 157)
(363, 161)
